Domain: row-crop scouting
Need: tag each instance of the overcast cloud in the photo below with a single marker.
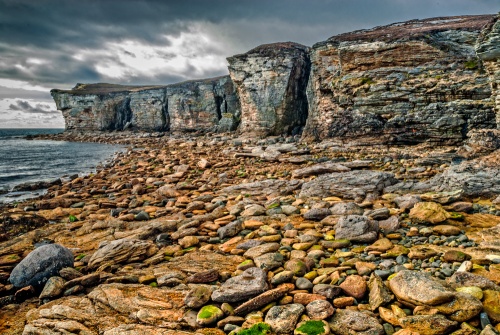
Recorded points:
(57, 43)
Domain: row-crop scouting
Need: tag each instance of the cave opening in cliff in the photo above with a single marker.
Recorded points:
(218, 103)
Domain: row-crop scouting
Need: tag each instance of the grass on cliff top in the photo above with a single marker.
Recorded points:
(103, 88)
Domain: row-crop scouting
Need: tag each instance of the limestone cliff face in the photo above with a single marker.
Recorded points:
(432, 80)
(203, 105)
(271, 81)
(488, 50)
(406, 82)
(209, 104)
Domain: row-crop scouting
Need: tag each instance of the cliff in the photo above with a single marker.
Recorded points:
(209, 104)
(271, 81)
(430, 80)
(406, 82)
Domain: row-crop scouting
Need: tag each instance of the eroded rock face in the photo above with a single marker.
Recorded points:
(488, 50)
(201, 105)
(406, 82)
(422, 80)
(271, 81)
(192, 105)
(111, 107)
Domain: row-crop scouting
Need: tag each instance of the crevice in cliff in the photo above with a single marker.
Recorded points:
(122, 116)
(296, 92)
(218, 103)
(165, 116)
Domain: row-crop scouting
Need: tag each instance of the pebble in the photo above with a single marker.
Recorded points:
(296, 260)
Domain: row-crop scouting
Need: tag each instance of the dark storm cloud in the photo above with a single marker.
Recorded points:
(7, 92)
(25, 106)
(54, 31)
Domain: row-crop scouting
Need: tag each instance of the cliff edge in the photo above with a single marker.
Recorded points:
(433, 80)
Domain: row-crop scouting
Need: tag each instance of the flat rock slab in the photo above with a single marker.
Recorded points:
(250, 283)
(268, 186)
(427, 324)
(475, 178)
(108, 307)
(41, 264)
(347, 322)
(356, 185)
(122, 251)
(467, 279)
(136, 329)
(318, 169)
(429, 212)
(199, 261)
(263, 299)
(418, 288)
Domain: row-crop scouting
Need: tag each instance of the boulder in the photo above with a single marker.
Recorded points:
(429, 212)
(419, 288)
(435, 324)
(122, 251)
(356, 228)
(250, 283)
(283, 319)
(347, 322)
(357, 185)
(41, 264)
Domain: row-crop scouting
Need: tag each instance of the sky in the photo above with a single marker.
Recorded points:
(47, 44)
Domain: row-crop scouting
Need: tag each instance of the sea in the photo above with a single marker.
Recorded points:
(26, 161)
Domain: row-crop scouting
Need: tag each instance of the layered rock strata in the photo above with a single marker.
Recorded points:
(406, 82)
(488, 50)
(271, 81)
(430, 80)
(209, 104)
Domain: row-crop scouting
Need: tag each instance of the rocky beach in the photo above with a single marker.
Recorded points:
(348, 188)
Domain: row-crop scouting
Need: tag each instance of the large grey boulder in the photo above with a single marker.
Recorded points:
(356, 228)
(41, 264)
(251, 282)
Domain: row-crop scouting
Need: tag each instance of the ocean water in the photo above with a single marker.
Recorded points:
(26, 161)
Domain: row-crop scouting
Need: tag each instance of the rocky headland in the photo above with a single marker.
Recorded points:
(347, 188)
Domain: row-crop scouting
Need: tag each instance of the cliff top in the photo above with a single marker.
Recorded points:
(415, 28)
(104, 88)
(272, 49)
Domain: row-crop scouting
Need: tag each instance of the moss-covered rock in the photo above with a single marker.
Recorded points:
(312, 327)
(429, 212)
(260, 328)
(208, 315)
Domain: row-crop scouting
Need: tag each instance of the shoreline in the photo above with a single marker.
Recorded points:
(182, 214)
(22, 191)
